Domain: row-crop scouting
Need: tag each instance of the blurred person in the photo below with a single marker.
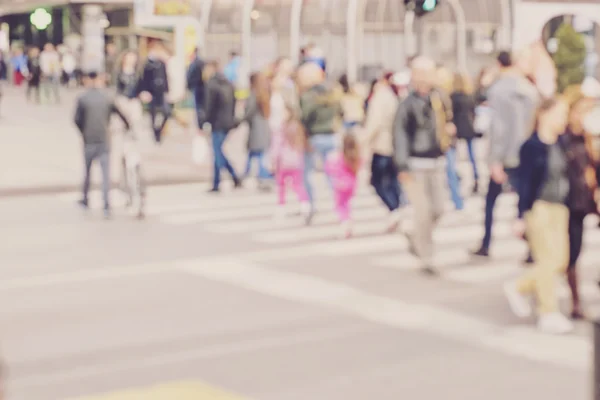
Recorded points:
(378, 138)
(19, 66)
(445, 81)
(463, 111)
(372, 89)
(423, 132)
(153, 88)
(110, 63)
(220, 114)
(513, 110)
(126, 78)
(583, 183)
(342, 166)
(3, 74)
(351, 103)
(283, 82)
(543, 195)
(232, 69)
(320, 110)
(256, 115)
(34, 76)
(51, 71)
(288, 146)
(92, 118)
(69, 64)
(195, 84)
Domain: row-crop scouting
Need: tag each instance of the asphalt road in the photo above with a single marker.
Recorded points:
(209, 298)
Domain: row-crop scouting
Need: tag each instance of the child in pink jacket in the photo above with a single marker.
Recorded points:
(343, 168)
(288, 146)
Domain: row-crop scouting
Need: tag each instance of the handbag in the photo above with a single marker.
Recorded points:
(200, 150)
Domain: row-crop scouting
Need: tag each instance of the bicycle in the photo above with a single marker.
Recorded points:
(133, 184)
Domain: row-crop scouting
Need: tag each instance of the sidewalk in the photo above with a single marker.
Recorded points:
(40, 149)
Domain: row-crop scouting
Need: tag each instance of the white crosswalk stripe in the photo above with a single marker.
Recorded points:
(249, 212)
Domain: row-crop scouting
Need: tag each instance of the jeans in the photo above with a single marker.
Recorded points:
(159, 105)
(453, 181)
(322, 145)
(384, 178)
(220, 161)
(494, 190)
(471, 150)
(51, 88)
(259, 156)
(97, 152)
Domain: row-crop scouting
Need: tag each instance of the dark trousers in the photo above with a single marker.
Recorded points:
(494, 190)
(101, 153)
(384, 178)
(575, 236)
(220, 161)
(159, 105)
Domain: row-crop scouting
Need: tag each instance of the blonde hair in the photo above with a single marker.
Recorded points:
(445, 79)
(462, 83)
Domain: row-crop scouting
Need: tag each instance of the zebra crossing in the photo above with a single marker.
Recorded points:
(248, 213)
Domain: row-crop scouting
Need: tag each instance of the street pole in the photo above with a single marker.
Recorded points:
(461, 34)
(410, 48)
(597, 360)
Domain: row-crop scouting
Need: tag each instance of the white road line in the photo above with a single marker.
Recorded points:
(574, 351)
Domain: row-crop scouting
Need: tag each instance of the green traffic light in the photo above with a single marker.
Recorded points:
(429, 5)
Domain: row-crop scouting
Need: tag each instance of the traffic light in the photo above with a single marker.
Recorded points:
(421, 7)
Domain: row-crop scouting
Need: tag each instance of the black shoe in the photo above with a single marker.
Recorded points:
(214, 190)
(528, 260)
(83, 204)
(476, 188)
(237, 184)
(428, 270)
(482, 252)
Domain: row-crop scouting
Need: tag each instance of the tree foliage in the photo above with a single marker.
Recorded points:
(569, 57)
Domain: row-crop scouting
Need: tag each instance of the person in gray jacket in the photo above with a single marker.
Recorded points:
(513, 100)
(92, 117)
(256, 115)
(423, 131)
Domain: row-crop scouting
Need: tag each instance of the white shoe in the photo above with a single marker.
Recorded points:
(280, 214)
(305, 209)
(518, 303)
(554, 324)
(346, 231)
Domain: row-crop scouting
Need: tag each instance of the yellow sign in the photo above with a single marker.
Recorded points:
(172, 7)
(171, 391)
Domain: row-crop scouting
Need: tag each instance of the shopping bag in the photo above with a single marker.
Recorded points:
(200, 150)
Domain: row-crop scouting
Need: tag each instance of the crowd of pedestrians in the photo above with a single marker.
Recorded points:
(408, 127)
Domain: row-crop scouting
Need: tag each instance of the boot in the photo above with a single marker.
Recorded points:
(576, 312)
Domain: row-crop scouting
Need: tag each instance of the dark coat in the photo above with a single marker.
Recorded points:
(463, 108)
(581, 196)
(219, 103)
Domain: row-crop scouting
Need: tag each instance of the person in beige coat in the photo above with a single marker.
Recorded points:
(378, 139)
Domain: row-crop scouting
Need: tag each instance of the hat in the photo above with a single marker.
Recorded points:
(401, 78)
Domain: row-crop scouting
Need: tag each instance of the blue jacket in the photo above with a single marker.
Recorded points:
(532, 172)
(232, 69)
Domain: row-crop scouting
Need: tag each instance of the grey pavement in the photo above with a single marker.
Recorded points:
(210, 298)
(40, 148)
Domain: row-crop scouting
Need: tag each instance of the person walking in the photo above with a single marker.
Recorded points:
(378, 138)
(34, 76)
(320, 111)
(256, 115)
(220, 114)
(153, 88)
(544, 217)
(195, 84)
(92, 116)
(51, 72)
(423, 131)
(583, 183)
(463, 111)
(513, 103)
